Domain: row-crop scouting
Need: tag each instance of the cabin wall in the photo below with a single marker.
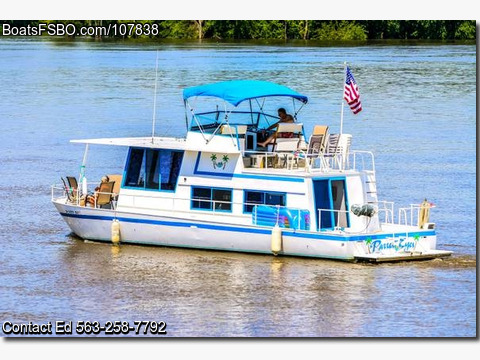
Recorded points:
(224, 171)
(199, 170)
(356, 195)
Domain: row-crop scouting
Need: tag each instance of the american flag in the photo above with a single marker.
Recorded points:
(351, 93)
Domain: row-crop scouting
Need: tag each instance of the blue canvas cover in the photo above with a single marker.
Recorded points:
(236, 91)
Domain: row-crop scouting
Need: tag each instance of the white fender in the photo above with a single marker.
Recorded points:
(276, 239)
(115, 231)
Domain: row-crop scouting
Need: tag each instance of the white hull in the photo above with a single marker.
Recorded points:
(95, 224)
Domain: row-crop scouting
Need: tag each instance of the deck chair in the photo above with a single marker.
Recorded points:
(332, 144)
(67, 190)
(285, 147)
(117, 179)
(72, 186)
(316, 145)
(287, 144)
(337, 149)
(233, 129)
(105, 194)
(72, 182)
(343, 149)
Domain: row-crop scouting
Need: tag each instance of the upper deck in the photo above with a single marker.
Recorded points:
(299, 161)
(250, 137)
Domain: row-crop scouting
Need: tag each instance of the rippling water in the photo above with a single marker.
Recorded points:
(419, 119)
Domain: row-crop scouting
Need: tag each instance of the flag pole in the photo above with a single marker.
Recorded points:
(343, 87)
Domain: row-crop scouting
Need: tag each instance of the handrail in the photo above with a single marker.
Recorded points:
(406, 215)
(330, 210)
(388, 209)
(265, 155)
(410, 210)
(83, 197)
(173, 199)
(278, 207)
(323, 162)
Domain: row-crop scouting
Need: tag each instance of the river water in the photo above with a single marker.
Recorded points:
(419, 119)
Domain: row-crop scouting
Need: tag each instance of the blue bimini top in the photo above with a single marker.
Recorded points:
(237, 91)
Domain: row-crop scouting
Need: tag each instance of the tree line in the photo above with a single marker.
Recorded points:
(323, 30)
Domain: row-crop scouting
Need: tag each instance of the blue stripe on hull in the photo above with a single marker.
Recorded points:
(245, 229)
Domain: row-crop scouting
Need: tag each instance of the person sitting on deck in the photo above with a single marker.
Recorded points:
(92, 199)
(284, 118)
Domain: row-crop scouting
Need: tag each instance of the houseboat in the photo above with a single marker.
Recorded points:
(247, 178)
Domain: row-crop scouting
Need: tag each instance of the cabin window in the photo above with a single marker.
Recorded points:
(252, 198)
(170, 163)
(211, 199)
(135, 168)
(153, 169)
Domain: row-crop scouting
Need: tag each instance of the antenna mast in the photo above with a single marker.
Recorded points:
(155, 99)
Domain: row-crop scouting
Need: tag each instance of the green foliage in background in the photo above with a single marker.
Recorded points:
(322, 30)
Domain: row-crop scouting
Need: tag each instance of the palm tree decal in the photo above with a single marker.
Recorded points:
(368, 242)
(220, 164)
(214, 160)
(225, 161)
(416, 237)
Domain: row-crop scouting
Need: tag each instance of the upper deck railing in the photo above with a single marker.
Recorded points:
(355, 160)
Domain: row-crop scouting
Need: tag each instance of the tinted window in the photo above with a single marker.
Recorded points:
(211, 199)
(222, 199)
(204, 194)
(251, 198)
(262, 198)
(153, 169)
(171, 160)
(136, 168)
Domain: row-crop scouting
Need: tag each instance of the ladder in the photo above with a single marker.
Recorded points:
(370, 187)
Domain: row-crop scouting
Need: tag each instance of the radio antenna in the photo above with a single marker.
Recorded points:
(155, 99)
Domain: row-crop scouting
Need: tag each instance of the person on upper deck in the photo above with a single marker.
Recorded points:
(284, 118)
(92, 198)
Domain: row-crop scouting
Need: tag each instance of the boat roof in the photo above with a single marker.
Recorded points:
(145, 142)
(220, 144)
(237, 91)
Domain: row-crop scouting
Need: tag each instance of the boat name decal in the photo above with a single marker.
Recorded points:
(397, 244)
(220, 164)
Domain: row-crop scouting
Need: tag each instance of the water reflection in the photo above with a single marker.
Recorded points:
(205, 293)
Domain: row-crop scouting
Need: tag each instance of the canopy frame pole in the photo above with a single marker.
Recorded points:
(251, 110)
(294, 110)
(220, 125)
(261, 109)
(186, 114)
(192, 111)
(227, 115)
(298, 111)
